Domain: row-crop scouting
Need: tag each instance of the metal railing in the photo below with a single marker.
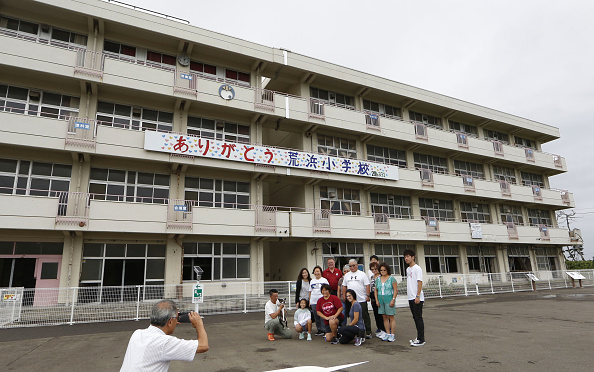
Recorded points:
(264, 99)
(89, 63)
(372, 120)
(73, 208)
(27, 307)
(81, 132)
(316, 109)
(321, 220)
(265, 218)
(185, 83)
(381, 223)
(420, 131)
(179, 214)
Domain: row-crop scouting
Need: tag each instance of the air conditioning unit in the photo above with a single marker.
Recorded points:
(331, 192)
(220, 124)
(34, 95)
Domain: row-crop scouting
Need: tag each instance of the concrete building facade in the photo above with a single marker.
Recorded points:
(269, 161)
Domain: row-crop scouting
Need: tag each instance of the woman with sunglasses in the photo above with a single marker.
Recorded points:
(386, 290)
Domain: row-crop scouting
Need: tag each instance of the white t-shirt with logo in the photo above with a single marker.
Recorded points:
(315, 287)
(413, 275)
(357, 281)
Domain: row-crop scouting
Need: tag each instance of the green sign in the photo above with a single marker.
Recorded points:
(198, 294)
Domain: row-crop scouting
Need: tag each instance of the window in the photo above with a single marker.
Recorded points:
(203, 68)
(117, 50)
(429, 120)
(524, 142)
(23, 248)
(546, 259)
(481, 259)
(210, 128)
(519, 258)
(130, 117)
(382, 109)
(463, 128)
(511, 214)
(220, 261)
(475, 212)
(208, 192)
(332, 98)
(386, 155)
(336, 146)
(37, 102)
(443, 210)
(122, 264)
(496, 136)
(441, 259)
(340, 201)
(393, 255)
(23, 177)
(19, 25)
(131, 186)
(342, 252)
(532, 179)
(162, 60)
(395, 206)
(504, 174)
(435, 163)
(475, 170)
(237, 77)
(539, 217)
(67, 39)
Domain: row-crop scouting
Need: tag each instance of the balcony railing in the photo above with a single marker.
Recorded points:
(432, 225)
(512, 230)
(179, 214)
(420, 131)
(537, 192)
(505, 188)
(321, 221)
(381, 223)
(498, 148)
(316, 109)
(185, 83)
(73, 208)
(264, 99)
(372, 120)
(426, 177)
(462, 140)
(468, 182)
(81, 132)
(265, 218)
(529, 155)
(89, 63)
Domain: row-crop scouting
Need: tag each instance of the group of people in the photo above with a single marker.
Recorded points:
(336, 301)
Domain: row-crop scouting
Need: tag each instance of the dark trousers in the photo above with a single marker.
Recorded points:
(346, 334)
(379, 319)
(417, 313)
(365, 314)
(319, 321)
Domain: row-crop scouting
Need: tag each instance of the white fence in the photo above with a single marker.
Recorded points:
(37, 307)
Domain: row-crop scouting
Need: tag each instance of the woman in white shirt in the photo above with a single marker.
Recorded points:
(315, 293)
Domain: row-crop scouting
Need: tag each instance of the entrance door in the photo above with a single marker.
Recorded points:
(47, 273)
(18, 272)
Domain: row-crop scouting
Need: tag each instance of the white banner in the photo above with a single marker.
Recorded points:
(476, 231)
(195, 146)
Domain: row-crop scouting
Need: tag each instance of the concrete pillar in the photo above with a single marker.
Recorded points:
(420, 257)
(502, 260)
(416, 209)
(463, 259)
(410, 159)
(173, 261)
(71, 261)
(257, 263)
(494, 211)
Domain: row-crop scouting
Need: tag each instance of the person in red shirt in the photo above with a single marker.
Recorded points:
(329, 308)
(332, 274)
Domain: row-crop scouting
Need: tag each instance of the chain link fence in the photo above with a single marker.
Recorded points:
(25, 307)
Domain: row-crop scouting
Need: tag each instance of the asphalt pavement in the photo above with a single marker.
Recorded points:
(547, 330)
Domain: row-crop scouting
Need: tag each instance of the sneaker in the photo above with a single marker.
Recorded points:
(359, 341)
(390, 338)
(271, 337)
(413, 341)
(369, 336)
(334, 341)
(417, 343)
(309, 337)
(384, 337)
(380, 334)
(301, 335)
(320, 333)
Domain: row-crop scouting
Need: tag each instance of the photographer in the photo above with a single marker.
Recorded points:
(153, 348)
(272, 312)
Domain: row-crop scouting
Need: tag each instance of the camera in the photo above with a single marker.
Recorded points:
(184, 317)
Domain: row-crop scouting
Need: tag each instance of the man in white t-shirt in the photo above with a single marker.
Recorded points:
(272, 312)
(416, 298)
(153, 348)
(372, 259)
(358, 281)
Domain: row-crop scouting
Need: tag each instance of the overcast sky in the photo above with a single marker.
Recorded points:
(529, 58)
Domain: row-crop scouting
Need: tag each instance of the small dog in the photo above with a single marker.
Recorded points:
(283, 314)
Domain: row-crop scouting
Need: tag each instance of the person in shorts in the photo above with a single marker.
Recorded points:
(329, 309)
(302, 321)
(386, 290)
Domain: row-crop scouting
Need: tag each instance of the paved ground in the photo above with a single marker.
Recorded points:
(529, 331)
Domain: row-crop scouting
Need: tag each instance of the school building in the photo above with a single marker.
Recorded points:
(135, 146)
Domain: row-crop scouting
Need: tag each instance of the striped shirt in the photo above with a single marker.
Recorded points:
(151, 349)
